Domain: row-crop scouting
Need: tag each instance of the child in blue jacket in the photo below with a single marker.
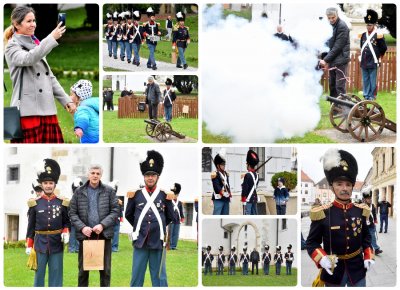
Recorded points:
(86, 117)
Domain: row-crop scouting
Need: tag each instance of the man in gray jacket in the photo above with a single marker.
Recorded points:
(93, 211)
(153, 97)
(339, 54)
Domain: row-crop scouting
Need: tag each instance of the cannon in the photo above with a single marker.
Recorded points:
(162, 131)
(363, 119)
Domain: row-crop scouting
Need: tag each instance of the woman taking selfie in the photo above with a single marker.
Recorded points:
(34, 85)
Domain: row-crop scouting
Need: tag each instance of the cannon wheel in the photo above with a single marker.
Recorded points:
(338, 114)
(150, 130)
(163, 131)
(366, 121)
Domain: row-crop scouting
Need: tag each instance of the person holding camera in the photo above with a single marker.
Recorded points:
(34, 85)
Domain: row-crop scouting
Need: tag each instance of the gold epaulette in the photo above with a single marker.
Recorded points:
(175, 27)
(131, 194)
(170, 195)
(145, 23)
(32, 202)
(359, 35)
(213, 174)
(317, 212)
(379, 35)
(119, 202)
(227, 173)
(366, 210)
(158, 23)
(187, 27)
(65, 202)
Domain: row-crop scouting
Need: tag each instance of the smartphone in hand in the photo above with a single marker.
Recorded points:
(62, 17)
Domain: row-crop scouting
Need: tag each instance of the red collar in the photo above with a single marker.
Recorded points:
(341, 205)
(51, 197)
(151, 190)
(252, 170)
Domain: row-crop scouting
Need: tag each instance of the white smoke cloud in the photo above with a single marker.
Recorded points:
(245, 94)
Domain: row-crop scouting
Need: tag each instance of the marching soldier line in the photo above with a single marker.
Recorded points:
(124, 34)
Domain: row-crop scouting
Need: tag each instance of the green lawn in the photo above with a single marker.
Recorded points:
(385, 99)
(252, 280)
(130, 130)
(181, 267)
(65, 119)
(163, 50)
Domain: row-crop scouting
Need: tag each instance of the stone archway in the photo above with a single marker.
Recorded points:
(256, 230)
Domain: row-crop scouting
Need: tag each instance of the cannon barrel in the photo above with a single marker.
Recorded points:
(340, 102)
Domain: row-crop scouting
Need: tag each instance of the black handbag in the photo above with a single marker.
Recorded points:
(12, 118)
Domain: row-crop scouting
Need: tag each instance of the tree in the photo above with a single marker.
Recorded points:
(389, 18)
(185, 84)
(290, 179)
(92, 16)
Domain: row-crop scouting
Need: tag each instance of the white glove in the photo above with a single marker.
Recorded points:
(368, 264)
(65, 238)
(243, 203)
(173, 47)
(226, 194)
(325, 263)
(130, 238)
(28, 251)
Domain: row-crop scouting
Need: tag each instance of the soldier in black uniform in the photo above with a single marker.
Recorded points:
(278, 260)
(208, 258)
(108, 27)
(48, 227)
(220, 261)
(151, 32)
(113, 34)
(125, 37)
(181, 39)
(289, 257)
(135, 37)
(179, 217)
(371, 221)
(222, 191)
(149, 210)
(341, 226)
(169, 97)
(249, 185)
(266, 260)
(373, 47)
(122, 35)
(232, 260)
(245, 258)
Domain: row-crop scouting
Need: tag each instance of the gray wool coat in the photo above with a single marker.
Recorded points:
(39, 85)
(108, 210)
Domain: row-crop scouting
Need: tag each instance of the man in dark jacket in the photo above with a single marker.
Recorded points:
(153, 97)
(281, 197)
(338, 56)
(249, 185)
(179, 218)
(383, 209)
(373, 47)
(255, 259)
(93, 211)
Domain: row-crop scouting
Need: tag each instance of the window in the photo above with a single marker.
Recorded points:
(284, 224)
(306, 185)
(306, 192)
(383, 162)
(303, 200)
(225, 234)
(261, 155)
(377, 167)
(188, 212)
(206, 159)
(13, 174)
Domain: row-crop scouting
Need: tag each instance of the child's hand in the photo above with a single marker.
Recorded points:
(78, 132)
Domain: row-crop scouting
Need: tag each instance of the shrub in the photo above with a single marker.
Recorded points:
(290, 179)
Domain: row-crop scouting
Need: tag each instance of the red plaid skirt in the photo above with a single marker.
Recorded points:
(40, 129)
